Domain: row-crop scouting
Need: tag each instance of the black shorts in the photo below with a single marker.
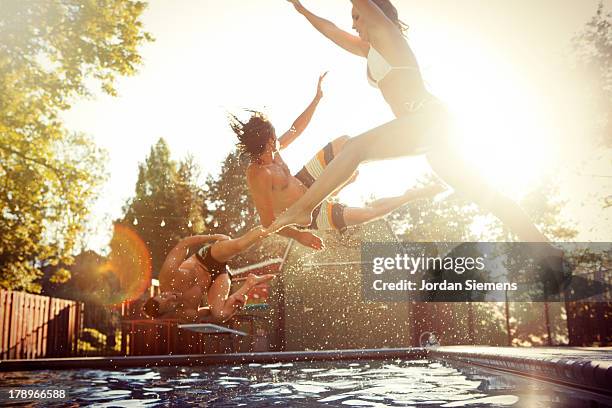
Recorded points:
(214, 267)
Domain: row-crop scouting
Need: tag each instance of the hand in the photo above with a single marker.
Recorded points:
(237, 301)
(311, 241)
(296, 4)
(319, 90)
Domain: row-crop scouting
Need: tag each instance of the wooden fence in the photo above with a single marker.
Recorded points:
(33, 326)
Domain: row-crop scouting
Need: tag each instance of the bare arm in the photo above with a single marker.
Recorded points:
(349, 42)
(300, 124)
(260, 185)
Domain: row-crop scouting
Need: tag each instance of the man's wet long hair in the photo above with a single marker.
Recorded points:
(253, 135)
(391, 12)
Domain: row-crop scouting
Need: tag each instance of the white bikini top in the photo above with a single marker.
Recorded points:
(378, 67)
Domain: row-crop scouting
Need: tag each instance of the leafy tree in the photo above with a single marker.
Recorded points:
(544, 208)
(168, 204)
(44, 206)
(231, 209)
(191, 197)
(593, 47)
(91, 280)
(49, 53)
(425, 221)
(453, 220)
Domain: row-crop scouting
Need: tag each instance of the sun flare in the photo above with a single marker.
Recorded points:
(503, 131)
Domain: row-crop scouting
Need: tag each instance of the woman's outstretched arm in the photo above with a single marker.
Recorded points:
(348, 41)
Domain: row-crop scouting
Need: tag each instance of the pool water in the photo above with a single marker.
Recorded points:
(391, 383)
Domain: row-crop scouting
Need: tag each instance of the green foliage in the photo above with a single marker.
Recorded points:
(44, 206)
(191, 196)
(231, 208)
(91, 281)
(544, 208)
(593, 46)
(425, 221)
(168, 203)
(49, 52)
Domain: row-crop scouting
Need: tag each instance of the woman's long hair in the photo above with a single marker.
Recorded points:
(391, 12)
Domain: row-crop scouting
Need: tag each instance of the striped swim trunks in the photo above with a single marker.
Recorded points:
(315, 166)
(328, 215)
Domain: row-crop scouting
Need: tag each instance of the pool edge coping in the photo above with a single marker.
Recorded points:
(589, 375)
(207, 359)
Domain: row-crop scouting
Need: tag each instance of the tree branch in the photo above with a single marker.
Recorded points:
(57, 172)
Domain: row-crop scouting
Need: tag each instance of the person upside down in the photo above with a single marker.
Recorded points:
(196, 267)
(274, 189)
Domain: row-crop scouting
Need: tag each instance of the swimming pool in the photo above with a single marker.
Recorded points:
(396, 382)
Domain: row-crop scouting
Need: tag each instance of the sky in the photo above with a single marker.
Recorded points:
(495, 63)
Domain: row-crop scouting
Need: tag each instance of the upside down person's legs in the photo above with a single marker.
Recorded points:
(223, 305)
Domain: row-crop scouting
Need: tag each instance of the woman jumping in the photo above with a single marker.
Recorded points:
(422, 124)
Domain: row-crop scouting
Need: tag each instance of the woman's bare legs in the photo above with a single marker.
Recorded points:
(337, 146)
(464, 178)
(407, 136)
(388, 141)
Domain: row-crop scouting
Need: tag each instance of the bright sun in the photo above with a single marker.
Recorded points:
(504, 130)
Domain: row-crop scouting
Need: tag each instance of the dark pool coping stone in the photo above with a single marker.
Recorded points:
(582, 368)
(110, 363)
(588, 369)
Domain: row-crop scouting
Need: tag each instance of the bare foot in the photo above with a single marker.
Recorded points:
(253, 280)
(291, 216)
(429, 190)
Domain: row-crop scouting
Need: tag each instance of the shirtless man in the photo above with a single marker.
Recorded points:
(196, 267)
(274, 188)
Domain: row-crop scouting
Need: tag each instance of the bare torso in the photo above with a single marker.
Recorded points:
(401, 86)
(191, 279)
(286, 189)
